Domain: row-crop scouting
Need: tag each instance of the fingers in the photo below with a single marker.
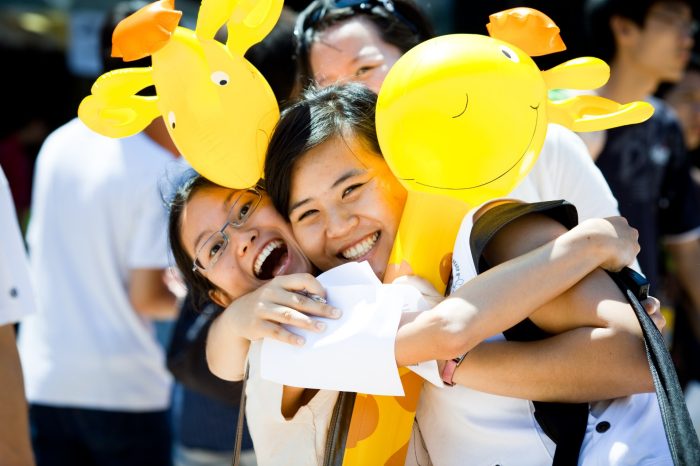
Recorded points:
(653, 307)
(304, 293)
(277, 332)
(289, 316)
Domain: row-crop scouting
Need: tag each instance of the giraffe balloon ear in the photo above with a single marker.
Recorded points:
(247, 22)
(114, 109)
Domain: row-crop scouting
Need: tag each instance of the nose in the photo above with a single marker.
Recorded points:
(340, 222)
(242, 239)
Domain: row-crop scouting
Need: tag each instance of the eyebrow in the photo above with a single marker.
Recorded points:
(341, 179)
(211, 232)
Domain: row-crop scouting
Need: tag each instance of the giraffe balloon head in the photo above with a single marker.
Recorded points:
(466, 115)
(218, 108)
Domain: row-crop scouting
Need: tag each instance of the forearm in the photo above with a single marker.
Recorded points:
(150, 296)
(499, 298)
(15, 448)
(584, 364)
(226, 350)
(163, 305)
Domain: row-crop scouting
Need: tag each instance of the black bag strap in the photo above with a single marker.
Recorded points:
(338, 429)
(241, 420)
(680, 433)
(564, 423)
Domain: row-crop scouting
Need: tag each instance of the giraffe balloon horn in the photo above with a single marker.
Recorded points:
(218, 108)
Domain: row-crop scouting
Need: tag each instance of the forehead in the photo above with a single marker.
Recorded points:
(348, 36)
(337, 154)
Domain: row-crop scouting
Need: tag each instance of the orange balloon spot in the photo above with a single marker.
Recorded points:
(394, 271)
(446, 268)
(398, 458)
(365, 417)
(412, 385)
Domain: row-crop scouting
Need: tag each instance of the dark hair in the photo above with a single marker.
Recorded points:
(597, 16)
(318, 116)
(197, 285)
(275, 57)
(400, 23)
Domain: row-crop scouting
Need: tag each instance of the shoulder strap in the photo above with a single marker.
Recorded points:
(680, 433)
(241, 419)
(338, 429)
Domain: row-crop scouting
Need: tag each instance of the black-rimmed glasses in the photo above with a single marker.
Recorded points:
(243, 207)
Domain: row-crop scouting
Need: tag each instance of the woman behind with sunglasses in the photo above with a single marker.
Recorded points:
(371, 36)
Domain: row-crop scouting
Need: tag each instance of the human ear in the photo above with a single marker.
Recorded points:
(622, 27)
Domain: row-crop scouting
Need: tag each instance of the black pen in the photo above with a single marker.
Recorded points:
(312, 296)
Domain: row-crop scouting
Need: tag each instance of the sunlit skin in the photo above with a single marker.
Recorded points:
(685, 100)
(352, 50)
(233, 275)
(663, 46)
(345, 205)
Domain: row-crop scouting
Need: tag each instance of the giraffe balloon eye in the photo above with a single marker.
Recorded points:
(220, 78)
(510, 54)
(171, 119)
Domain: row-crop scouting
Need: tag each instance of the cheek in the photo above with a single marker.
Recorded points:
(309, 241)
(232, 280)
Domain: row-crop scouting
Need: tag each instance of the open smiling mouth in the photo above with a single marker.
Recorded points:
(270, 260)
(532, 136)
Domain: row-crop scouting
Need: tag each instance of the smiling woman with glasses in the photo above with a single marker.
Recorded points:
(227, 242)
(243, 205)
(400, 24)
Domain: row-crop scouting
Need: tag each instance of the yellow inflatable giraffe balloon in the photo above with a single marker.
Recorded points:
(461, 119)
(218, 108)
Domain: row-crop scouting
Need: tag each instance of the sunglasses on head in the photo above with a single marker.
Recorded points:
(319, 9)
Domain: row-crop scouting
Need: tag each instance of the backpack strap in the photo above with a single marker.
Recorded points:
(680, 433)
(564, 423)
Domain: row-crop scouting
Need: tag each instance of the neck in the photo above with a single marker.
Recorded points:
(159, 134)
(628, 82)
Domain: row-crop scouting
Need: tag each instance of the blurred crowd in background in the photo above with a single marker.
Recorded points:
(51, 56)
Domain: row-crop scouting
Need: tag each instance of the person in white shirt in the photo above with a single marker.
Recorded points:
(95, 374)
(16, 302)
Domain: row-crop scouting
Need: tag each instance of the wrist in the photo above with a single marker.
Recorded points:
(450, 367)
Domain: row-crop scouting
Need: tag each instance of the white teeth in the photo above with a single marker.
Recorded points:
(265, 253)
(360, 249)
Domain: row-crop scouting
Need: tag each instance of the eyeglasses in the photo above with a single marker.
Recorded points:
(243, 207)
(319, 9)
(681, 25)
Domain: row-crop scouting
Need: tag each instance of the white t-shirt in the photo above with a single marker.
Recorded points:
(16, 295)
(97, 213)
(463, 426)
(276, 440)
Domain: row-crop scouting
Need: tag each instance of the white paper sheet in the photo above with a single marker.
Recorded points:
(356, 352)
